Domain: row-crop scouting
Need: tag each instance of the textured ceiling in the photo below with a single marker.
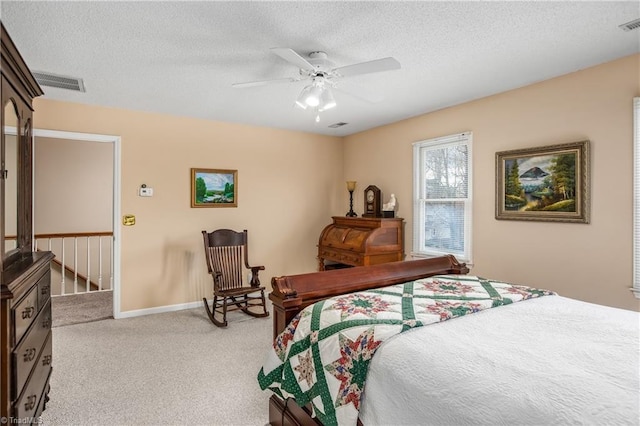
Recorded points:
(181, 58)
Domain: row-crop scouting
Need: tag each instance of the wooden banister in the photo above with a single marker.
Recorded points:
(73, 234)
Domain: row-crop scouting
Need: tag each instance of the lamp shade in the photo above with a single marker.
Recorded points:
(326, 100)
(302, 98)
(313, 97)
(317, 95)
(351, 185)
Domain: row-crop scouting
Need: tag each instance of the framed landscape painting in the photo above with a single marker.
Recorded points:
(549, 183)
(214, 188)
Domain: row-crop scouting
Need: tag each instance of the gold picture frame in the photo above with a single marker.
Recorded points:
(214, 188)
(548, 183)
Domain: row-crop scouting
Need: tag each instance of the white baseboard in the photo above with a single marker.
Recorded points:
(159, 310)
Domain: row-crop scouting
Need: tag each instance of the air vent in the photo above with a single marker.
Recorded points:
(633, 25)
(336, 125)
(59, 81)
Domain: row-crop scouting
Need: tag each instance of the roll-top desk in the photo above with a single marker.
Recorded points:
(361, 241)
(25, 276)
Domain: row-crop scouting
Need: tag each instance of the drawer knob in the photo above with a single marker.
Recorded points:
(31, 403)
(29, 354)
(28, 312)
(46, 360)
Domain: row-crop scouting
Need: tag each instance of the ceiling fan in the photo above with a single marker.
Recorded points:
(323, 76)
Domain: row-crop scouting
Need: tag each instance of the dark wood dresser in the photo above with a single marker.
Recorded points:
(361, 241)
(26, 338)
(25, 276)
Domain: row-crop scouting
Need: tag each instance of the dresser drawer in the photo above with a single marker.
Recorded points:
(41, 406)
(27, 352)
(44, 289)
(24, 312)
(27, 403)
(353, 259)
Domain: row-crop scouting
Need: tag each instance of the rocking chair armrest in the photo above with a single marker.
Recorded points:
(255, 280)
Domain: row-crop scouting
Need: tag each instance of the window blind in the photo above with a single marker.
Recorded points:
(442, 196)
(636, 197)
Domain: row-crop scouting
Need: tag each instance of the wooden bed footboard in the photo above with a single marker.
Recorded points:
(293, 293)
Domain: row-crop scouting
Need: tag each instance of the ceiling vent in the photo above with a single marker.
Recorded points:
(59, 81)
(336, 125)
(633, 25)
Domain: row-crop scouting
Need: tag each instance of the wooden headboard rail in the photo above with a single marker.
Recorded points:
(293, 293)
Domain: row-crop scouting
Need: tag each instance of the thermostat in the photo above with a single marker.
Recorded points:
(145, 191)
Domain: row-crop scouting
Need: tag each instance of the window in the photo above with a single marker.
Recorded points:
(636, 197)
(442, 196)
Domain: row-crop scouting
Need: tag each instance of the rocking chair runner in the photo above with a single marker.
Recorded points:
(226, 254)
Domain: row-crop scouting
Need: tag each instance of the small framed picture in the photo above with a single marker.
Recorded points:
(548, 183)
(214, 188)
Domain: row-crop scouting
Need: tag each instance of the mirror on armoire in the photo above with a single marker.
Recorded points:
(10, 172)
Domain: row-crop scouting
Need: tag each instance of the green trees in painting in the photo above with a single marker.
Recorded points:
(201, 190)
(209, 195)
(553, 189)
(563, 172)
(228, 191)
(513, 193)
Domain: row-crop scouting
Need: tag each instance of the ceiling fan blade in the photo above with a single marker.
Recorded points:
(378, 65)
(359, 92)
(291, 56)
(265, 82)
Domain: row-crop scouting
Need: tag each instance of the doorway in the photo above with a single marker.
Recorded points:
(78, 269)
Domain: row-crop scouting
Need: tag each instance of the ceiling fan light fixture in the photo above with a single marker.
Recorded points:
(323, 76)
(313, 97)
(310, 96)
(327, 100)
(302, 98)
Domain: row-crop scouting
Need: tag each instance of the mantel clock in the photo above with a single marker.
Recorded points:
(372, 202)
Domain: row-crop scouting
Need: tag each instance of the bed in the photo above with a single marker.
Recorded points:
(545, 360)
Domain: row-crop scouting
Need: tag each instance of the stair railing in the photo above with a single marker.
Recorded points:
(91, 261)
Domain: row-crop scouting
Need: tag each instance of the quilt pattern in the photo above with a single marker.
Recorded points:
(323, 355)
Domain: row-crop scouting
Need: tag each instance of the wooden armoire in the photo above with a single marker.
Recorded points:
(25, 275)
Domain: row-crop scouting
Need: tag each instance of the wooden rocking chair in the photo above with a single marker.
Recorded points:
(226, 254)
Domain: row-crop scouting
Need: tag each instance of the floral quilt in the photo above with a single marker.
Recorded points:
(323, 355)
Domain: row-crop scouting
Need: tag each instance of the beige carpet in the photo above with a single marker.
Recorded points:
(81, 308)
(174, 368)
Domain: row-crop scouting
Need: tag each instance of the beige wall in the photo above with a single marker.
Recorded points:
(289, 185)
(591, 262)
(73, 186)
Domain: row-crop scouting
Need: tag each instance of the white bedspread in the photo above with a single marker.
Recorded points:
(547, 361)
